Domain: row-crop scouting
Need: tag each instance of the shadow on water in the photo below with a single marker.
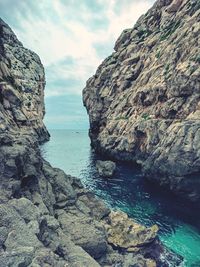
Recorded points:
(146, 202)
(178, 220)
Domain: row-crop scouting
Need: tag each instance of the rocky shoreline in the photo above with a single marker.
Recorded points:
(144, 99)
(47, 218)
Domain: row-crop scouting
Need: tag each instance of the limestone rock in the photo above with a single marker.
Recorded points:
(105, 168)
(34, 228)
(88, 234)
(144, 99)
(126, 234)
(47, 218)
(22, 82)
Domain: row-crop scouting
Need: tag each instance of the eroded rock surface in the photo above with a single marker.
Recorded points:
(22, 82)
(105, 168)
(144, 100)
(47, 218)
(123, 232)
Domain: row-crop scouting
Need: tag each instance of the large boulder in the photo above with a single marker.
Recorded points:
(105, 168)
(85, 232)
(125, 233)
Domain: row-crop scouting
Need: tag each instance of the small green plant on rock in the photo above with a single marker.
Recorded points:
(143, 33)
(169, 30)
(193, 7)
(166, 70)
(158, 54)
(145, 116)
(193, 69)
(121, 118)
(197, 59)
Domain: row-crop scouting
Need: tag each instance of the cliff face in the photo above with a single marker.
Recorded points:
(47, 218)
(22, 83)
(144, 100)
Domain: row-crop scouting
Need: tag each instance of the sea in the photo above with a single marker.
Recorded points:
(178, 220)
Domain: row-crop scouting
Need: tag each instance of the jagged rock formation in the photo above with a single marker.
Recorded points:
(144, 100)
(105, 168)
(125, 233)
(22, 82)
(47, 218)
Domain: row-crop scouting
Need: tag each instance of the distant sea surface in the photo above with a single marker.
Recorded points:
(179, 222)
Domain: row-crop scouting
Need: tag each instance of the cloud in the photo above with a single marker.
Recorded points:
(72, 38)
(84, 31)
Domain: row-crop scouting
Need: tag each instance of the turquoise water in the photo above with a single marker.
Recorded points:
(179, 222)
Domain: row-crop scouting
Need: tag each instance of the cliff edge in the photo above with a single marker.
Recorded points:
(144, 100)
(22, 82)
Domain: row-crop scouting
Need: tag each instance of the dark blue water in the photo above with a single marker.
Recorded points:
(179, 222)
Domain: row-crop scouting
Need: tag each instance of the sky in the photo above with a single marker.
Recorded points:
(72, 37)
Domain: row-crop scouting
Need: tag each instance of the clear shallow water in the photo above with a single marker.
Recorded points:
(179, 222)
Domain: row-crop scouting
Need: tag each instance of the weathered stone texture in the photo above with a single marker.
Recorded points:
(144, 100)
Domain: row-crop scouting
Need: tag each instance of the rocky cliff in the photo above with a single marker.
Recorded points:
(47, 218)
(144, 100)
(22, 82)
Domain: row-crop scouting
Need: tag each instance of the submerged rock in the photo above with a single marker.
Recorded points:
(144, 99)
(105, 168)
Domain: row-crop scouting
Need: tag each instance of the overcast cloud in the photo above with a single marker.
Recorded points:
(71, 37)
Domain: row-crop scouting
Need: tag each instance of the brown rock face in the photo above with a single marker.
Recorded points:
(144, 100)
(125, 233)
(22, 83)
